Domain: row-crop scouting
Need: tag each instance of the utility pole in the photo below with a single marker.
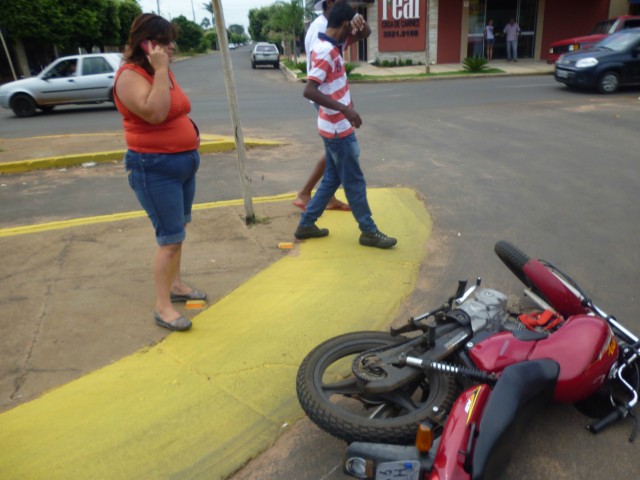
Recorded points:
(193, 11)
(158, 3)
(232, 98)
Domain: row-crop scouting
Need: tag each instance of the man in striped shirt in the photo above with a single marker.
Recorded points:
(337, 120)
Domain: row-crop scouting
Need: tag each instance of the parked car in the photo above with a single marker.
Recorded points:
(74, 79)
(599, 32)
(611, 63)
(265, 54)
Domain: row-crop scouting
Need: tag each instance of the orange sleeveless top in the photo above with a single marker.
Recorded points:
(176, 134)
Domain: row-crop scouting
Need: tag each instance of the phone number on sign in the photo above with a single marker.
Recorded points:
(403, 33)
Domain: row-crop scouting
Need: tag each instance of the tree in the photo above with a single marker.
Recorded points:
(128, 10)
(289, 20)
(190, 34)
(205, 23)
(259, 23)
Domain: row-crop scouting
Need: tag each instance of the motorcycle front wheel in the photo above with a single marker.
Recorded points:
(332, 397)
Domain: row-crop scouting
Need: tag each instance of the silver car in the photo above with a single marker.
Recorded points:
(75, 79)
(265, 54)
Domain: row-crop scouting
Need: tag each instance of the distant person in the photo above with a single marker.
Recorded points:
(162, 157)
(511, 31)
(489, 39)
(327, 87)
(360, 30)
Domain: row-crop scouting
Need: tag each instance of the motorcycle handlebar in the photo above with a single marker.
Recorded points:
(614, 416)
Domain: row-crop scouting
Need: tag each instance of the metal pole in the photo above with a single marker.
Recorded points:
(6, 50)
(158, 3)
(233, 109)
(193, 11)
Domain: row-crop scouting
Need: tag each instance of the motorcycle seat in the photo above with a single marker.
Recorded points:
(522, 390)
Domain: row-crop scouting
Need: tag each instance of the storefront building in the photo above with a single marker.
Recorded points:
(447, 31)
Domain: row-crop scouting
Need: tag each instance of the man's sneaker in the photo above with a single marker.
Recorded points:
(304, 232)
(377, 239)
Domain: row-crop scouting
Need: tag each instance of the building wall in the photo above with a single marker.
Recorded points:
(449, 31)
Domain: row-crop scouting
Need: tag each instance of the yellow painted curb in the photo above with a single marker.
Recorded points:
(78, 222)
(63, 161)
(202, 403)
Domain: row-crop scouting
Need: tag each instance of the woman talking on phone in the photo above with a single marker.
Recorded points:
(162, 157)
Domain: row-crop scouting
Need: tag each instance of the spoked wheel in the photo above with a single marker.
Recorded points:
(334, 400)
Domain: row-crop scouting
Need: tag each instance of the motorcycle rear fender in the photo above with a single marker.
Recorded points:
(522, 390)
(463, 418)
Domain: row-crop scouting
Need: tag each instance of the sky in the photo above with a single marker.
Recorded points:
(236, 12)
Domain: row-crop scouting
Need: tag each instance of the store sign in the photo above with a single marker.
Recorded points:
(402, 25)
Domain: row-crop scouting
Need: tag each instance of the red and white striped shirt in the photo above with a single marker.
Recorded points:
(327, 69)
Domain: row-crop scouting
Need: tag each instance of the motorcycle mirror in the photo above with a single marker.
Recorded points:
(424, 437)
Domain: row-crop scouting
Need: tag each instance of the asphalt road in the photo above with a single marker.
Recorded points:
(522, 159)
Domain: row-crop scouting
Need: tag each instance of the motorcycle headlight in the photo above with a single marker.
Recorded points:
(586, 62)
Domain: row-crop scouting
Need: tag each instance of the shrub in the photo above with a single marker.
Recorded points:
(350, 67)
(475, 64)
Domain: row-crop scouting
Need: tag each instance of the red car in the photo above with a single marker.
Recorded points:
(601, 30)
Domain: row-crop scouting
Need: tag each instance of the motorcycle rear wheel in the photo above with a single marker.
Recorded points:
(329, 394)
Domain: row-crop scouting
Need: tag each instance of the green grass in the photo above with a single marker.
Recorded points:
(368, 78)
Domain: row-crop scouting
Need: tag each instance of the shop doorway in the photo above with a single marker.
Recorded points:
(525, 13)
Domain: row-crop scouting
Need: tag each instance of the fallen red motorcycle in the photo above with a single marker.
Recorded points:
(508, 366)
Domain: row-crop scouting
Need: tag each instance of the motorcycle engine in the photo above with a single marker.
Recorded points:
(485, 308)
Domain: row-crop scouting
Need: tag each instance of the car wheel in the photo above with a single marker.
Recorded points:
(46, 108)
(608, 82)
(253, 64)
(23, 105)
(276, 65)
(111, 96)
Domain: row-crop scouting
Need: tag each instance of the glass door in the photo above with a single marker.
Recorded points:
(525, 13)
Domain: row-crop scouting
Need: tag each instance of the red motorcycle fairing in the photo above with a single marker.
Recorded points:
(555, 292)
(462, 421)
(584, 347)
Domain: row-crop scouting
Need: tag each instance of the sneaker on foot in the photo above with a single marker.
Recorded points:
(377, 239)
(311, 231)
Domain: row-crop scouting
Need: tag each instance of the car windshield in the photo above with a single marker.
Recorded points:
(602, 27)
(266, 48)
(620, 41)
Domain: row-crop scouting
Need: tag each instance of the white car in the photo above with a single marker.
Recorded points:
(265, 54)
(75, 79)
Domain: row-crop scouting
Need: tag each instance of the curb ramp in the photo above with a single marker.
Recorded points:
(201, 404)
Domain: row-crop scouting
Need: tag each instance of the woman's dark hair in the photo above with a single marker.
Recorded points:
(340, 12)
(148, 26)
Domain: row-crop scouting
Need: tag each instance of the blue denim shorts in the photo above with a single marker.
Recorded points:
(165, 185)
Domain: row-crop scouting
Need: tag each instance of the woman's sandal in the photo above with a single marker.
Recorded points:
(180, 324)
(185, 297)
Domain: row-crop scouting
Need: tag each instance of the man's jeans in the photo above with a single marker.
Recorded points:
(512, 50)
(343, 167)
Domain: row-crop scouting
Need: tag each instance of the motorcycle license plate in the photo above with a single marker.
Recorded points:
(401, 470)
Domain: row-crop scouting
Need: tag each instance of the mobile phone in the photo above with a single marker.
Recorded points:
(145, 45)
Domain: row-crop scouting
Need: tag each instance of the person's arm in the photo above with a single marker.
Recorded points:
(312, 93)
(151, 102)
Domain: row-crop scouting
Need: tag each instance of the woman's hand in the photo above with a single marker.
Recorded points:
(158, 56)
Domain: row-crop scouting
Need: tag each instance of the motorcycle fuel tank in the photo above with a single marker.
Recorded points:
(586, 349)
(499, 351)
